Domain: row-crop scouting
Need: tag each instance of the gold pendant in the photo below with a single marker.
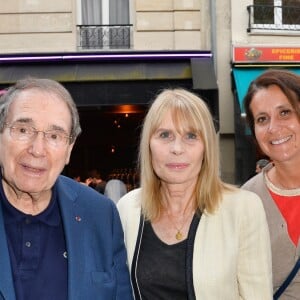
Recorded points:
(178, 236)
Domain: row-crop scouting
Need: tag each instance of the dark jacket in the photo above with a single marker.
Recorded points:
(96, 254)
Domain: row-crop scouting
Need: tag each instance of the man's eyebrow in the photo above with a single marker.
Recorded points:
(23, 120)
(30, 121)
(58, 128)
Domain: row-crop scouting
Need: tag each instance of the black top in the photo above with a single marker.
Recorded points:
(188, 259)
(161, 268)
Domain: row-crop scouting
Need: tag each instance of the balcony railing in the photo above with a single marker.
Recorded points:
(104, 36)
(270, 17)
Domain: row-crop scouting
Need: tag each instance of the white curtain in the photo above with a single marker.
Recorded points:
(91, 12)
(118, 12)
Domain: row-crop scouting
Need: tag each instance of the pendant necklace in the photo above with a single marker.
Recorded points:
(179, 234)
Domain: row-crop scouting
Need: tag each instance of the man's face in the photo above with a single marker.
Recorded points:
(33, 165)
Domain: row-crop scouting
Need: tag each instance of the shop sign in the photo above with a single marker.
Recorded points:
(266, 54)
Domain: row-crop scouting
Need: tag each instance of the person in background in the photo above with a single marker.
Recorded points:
(188, 234)
(272, 105)
(115, 189)
(77, 178)
(95, 181)
(59, 239)
(260, 164)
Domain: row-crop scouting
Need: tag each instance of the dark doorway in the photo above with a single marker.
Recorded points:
(109, 140)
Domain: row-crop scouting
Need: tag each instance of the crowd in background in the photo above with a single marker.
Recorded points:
(118, 182)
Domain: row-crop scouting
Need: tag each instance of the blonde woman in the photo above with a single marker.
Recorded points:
(188, 234)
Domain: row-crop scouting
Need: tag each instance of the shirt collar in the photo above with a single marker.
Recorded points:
(50, 216)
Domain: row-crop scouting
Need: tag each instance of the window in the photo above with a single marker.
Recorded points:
(105, 12)
(104, 24)
(276, 14)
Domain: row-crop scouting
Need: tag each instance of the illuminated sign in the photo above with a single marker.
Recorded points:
(266, 54)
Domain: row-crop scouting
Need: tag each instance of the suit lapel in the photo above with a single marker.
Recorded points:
(6, 281)
(73, 221)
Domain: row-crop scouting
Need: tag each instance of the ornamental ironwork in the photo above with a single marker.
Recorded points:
(104, 36)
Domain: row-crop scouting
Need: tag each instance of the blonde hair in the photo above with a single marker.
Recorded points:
(189, 113)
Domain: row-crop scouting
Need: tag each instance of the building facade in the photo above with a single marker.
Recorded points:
(112, 53)
(264, 34)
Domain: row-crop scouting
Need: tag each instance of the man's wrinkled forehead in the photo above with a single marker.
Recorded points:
(30, 104)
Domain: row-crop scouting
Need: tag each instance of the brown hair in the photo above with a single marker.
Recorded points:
(287, 81)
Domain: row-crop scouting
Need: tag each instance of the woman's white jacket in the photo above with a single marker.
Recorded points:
(231, 257)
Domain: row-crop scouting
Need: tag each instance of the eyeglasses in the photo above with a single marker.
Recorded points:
(26, 133)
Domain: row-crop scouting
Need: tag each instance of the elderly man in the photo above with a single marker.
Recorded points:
(59, 239)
